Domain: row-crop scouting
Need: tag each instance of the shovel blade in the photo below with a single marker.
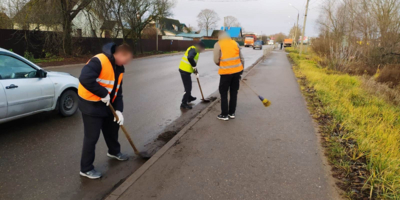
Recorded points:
(145, 155)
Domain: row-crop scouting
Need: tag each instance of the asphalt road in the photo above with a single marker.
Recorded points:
(40, 154)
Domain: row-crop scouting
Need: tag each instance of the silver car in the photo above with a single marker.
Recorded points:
(26, 89)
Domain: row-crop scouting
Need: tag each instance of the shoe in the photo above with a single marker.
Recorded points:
(192, 99)
(231, 116)
(92, 174)
(119, 156)
(223, 117)
(185, 106)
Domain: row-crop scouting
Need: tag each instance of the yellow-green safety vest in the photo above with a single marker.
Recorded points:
(185, 64)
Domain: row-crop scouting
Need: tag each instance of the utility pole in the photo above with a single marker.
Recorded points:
(297, 27)
(157, 35)
(304, 28)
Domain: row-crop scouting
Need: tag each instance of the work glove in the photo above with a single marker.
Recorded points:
(106, 100)
(120, 118)
(197, 75)
(195, 70)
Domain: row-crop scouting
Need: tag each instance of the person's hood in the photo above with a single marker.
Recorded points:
(224, 36)
(109, 50)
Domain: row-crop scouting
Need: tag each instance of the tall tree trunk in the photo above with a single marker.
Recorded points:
(140, 43)
(67, 39)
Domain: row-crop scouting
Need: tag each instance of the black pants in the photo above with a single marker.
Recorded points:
(187, 84)
(229, 83)
(92, 126)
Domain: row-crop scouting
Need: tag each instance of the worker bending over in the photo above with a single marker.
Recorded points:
(100, 84)
(228, 57)
(186, 68)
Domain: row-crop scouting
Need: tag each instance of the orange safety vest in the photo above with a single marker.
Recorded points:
(230, 57)
(105, 79)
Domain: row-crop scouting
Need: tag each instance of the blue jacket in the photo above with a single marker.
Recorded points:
(90, 72)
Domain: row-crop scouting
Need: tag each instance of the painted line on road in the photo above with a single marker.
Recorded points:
(139, 172)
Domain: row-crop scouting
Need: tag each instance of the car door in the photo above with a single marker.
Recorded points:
(3, 103)
(25, 91)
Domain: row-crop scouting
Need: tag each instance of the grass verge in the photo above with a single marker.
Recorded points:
(360, 130)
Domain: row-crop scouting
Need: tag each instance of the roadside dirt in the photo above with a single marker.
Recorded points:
(174, 128)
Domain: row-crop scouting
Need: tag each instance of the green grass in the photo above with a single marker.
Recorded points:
(368, 119)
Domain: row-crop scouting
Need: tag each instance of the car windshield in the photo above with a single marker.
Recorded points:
(258, 43)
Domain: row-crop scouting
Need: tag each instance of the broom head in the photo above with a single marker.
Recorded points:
(266, 102)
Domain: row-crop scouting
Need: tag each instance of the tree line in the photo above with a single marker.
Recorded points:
(132, 16)
(360, 36)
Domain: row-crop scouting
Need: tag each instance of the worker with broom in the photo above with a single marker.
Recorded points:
(228, 57)
(100, 84)
(187, 66)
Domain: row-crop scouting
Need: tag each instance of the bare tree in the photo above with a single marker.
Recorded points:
(207, 19)
(295, 33)
(231, 21)
(278, 37)
(140, 13)
(69, 9)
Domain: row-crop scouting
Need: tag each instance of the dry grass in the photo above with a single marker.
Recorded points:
(371, 123)
(381, 90)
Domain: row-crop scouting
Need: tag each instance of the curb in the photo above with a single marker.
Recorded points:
(114, 195)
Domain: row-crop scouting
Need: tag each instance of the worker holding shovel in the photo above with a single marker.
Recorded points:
(187, 66)
(100, 88)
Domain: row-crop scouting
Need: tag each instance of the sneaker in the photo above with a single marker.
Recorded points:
(223, 117)
(92, 174)
(192, 99)
(185, 106)
(119, 156)
(231, 116)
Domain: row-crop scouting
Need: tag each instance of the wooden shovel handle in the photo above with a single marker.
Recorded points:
(125, 131)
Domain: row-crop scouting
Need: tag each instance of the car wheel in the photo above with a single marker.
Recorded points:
(68, 103)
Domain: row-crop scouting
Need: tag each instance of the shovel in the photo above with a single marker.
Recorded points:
(143, 155)
(201, 91)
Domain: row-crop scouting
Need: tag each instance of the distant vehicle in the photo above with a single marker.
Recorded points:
(271, 42)
(287, 42)
(257, 45)
(26, 89)
(249, 40)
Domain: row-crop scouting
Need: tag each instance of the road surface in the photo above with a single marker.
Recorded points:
(40, 155)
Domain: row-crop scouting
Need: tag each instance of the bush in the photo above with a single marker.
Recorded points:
(28, 55)
(390, 74)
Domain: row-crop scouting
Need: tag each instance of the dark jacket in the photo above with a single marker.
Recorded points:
(90, 72)
(191, 54)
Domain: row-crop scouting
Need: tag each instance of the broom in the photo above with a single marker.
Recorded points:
(265, 101)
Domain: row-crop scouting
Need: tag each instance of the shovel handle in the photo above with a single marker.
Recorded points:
(125, 131)
(201, 91)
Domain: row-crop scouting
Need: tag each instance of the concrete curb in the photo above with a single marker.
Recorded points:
(139, 172)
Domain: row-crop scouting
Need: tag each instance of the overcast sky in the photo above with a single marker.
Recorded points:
(262, 16)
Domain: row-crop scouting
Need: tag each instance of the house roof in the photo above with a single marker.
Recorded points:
(202, 33)
(108, 25)
(234, 32)
(5, 21)
(168, 23)
(38, 11)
